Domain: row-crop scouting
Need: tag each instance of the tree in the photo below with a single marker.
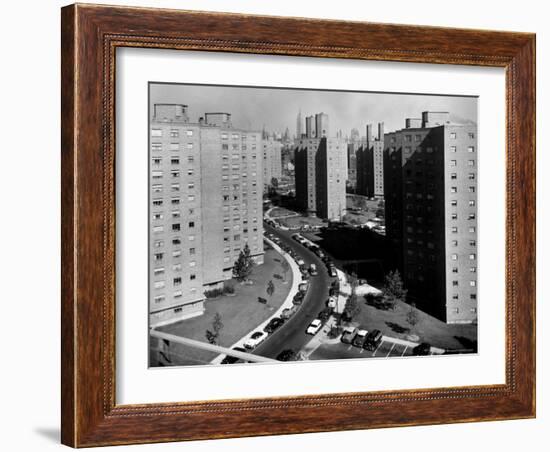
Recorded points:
(270, 288)
(243, 265)
(285, 267)
(412, 317)
(274, 182)
(352, 307)
(217, 326)
(393, 290)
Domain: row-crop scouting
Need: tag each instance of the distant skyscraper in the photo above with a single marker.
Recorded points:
(370, 163)
(321, 171)
(299, 126)
(205, 182)
(430, 183)
(272, 161)
(321, 125)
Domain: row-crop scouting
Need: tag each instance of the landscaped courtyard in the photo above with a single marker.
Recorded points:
(240, 313)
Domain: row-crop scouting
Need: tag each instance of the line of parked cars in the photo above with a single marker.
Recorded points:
(317, 250)
(361, 338)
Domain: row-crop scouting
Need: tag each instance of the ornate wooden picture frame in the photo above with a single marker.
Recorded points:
(90, 37)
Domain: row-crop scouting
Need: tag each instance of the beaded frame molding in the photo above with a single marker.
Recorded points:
(90, 36)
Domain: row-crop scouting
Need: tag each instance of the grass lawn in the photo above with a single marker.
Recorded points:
(280, 212)
(299, 221)
(429, 329)
(240, 313)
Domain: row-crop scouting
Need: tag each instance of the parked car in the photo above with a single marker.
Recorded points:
(286, 355)
(359, 338)
(332, 271)
(273, 324)
(289, 312)
(255, 339)
(303, 287)
(314, 327)
(262, 300)
(233, 359)
(313, 270)
(422, 349)
(300, 261)
(373, 340)
(348, 335)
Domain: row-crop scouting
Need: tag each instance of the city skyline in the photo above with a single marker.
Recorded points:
(346, 109)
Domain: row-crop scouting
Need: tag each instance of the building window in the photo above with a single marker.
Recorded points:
(454, 216)
(158, 202)
(453, 162)
(157, 216)
(159, 284)
(192, 276)
(454, 243)
(157, 160)
(174, 146)
(455, 283)
(192, 251)
(156, 132)
(454, 257)
(159, 298)
(471, 189)
(176, 253)
(455, 269)
(192, 264)
(472, 243)
(177, 281)
(191, 224)
(158, 271)
(157, 174)
(175, 187)
(176, 227)
(453, 190)
(158, 228)
(472, 283)
(156, 147)
(175, 161)
(158, 256)
(453, 135)
(471, 162)
(157, 188)
(453, 175)
(473, 296)
(175, 173)
(472, 257)
(158, 244)
(471, 176)
(191, 238)
(176, 267)
(454, 202)
(471, 216)
(472, 229)
(471, 149)
(176, 241)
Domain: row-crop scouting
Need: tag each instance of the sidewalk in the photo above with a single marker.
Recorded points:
(296, 280)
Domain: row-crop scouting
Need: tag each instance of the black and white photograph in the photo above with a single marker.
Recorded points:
(294, 224)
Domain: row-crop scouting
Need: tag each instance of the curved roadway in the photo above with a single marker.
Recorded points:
(292, 335)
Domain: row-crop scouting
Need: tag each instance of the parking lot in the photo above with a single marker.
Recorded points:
(339, 350)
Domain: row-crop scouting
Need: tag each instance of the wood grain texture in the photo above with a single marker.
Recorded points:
(90, 36)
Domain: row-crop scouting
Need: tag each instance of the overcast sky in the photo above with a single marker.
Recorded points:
(252, 108)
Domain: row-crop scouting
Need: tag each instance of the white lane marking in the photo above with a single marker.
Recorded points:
(403, 354)
(389, 353)
(374, 352)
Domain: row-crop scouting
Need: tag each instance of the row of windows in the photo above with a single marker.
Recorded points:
(457, 310)
(158, 202)
(157, 147)
(175, 241)
(471, 176)
(177, 294)
(173, 133)
(157, 257)
(470, 162)
(472, 283)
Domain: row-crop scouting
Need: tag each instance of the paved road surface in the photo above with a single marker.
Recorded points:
(292, 334)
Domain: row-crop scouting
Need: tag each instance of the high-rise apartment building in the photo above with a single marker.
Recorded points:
(430, 183)
(205, 204)
(321, 171)
(369, 163)
(272, 160)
